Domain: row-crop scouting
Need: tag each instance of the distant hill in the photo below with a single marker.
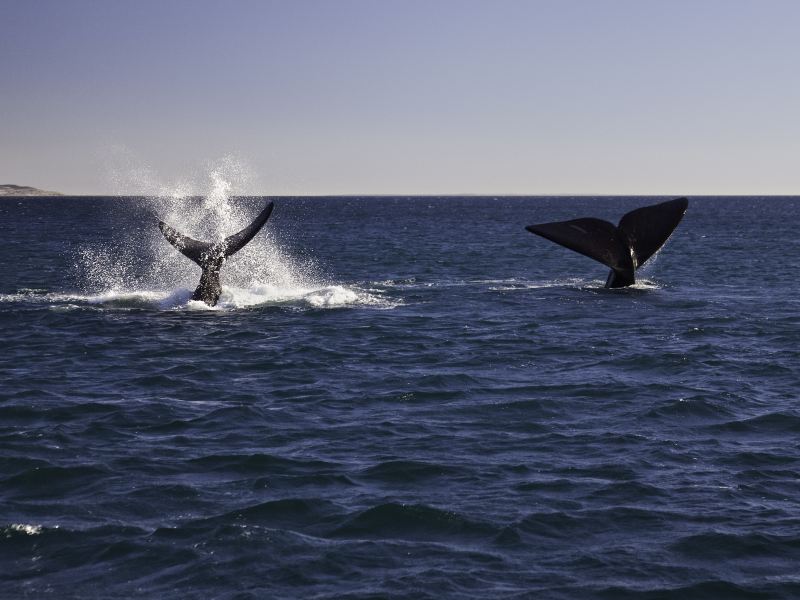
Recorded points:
(24, 190)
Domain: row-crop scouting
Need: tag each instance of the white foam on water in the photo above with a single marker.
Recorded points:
(330, 296)
(25, 528)
(646, 284)
(126, 299)
(232, 298)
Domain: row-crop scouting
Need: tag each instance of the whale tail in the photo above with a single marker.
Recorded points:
(205, 253)
(623, 248)
(210, 256)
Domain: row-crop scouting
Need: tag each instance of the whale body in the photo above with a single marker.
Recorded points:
(211, 256)
(625, 247)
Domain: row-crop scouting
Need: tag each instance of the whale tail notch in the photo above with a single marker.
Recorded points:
(623, 248)
(210, 256)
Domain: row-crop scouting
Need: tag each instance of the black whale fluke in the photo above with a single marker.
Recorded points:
(623, 248)
(211, 256)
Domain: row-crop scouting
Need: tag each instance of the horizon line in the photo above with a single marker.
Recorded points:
(415, 195)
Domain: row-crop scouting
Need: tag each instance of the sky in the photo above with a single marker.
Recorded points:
(317, 97)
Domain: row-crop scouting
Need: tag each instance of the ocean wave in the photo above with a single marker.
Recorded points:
(771, 423)
(413, 522)
(309, 516)
(55, 481)
(696, 591)
(699, 407)
(717, 545)
(407, 471)
(258, 463)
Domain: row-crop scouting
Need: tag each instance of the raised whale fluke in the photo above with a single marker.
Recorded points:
(623, 248)
(211, 256)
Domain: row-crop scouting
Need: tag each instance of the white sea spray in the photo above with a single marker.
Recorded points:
(138, 267)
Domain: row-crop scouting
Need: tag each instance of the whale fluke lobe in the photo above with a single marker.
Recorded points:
(239, 240)
(594, 238)
(623, 248)
(184, 244)
(211, 256)
(648, 228)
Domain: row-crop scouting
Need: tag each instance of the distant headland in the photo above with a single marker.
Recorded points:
(24, 190)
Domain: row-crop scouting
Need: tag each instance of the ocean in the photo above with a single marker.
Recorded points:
(397, 398)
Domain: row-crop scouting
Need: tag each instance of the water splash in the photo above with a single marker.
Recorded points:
(140, 267)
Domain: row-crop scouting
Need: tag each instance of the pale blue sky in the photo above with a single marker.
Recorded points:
(407, 97)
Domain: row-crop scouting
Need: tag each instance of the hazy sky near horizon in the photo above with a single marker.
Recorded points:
(402, 96)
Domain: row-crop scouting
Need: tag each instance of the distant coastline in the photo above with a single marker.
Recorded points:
(24, 190)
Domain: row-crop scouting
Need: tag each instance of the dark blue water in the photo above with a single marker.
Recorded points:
(399, 398)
